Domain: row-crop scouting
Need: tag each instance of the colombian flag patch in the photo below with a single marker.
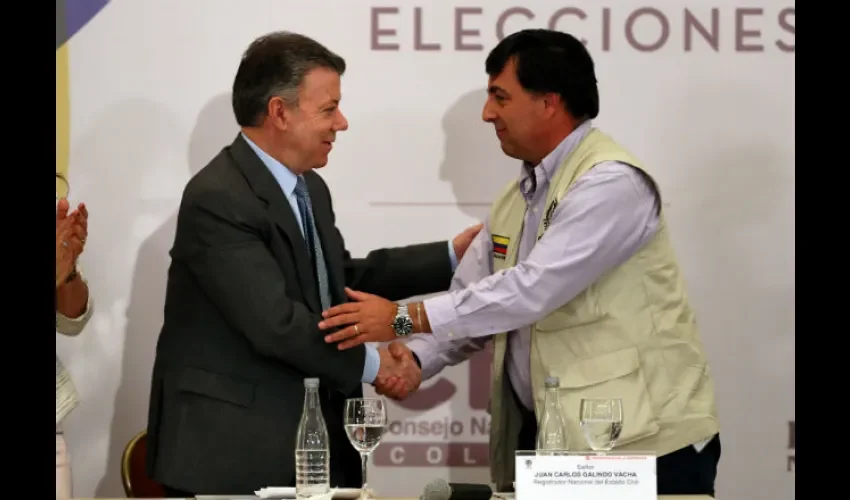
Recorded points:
(500, 246)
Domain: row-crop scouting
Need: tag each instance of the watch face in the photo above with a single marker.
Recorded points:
(403, 326)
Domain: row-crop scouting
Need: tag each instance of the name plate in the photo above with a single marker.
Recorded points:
(584, 476)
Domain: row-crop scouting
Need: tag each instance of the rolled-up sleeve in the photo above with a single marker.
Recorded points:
(73, 326)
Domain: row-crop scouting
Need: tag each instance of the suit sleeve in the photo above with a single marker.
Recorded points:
(402, 272)
(236, 270)
(398, 273)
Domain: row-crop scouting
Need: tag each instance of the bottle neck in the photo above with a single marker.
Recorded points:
(551, 400)
(311, 399)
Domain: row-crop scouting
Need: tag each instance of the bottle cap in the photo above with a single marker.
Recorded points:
(311, 383)
(552, 382)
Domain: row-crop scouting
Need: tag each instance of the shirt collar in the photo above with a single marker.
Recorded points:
(285, 177)
(551, 162)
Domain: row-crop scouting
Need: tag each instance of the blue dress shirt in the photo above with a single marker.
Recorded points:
(286, 179)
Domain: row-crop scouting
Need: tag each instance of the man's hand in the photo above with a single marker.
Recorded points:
(399, 375)
(368, 319)
(464, 239)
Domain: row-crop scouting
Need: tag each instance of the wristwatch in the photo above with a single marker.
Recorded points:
(402, 324)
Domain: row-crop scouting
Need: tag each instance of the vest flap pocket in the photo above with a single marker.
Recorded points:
(601, 368)
(216, 386)
(613, 375)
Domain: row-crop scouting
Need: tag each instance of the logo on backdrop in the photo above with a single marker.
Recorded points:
(646, 29)
(458, 440)
(72, 15)
(792, 455)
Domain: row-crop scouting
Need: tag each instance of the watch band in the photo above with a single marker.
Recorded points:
(402, 324)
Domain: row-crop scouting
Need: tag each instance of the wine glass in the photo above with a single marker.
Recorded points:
(602, 423)
(365, 423)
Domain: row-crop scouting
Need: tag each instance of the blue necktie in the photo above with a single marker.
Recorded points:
(311, 236)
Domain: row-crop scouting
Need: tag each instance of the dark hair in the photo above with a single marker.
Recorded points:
(550, 61)
(275, 65)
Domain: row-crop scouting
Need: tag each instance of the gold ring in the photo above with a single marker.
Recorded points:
(356, 330)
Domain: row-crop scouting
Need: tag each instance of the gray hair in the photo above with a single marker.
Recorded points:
(274, 65)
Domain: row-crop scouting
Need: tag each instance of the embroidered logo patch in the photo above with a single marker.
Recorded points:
(500, 246)
(547, 219)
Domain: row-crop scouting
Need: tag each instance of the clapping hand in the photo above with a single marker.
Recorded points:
(71, 232)
(399, 375)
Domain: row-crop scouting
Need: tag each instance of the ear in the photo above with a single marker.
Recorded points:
(278, 113)
(551, 103)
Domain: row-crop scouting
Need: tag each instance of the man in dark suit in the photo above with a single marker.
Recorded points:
(256, 259)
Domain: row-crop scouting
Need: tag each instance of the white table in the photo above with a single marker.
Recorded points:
(660, 497)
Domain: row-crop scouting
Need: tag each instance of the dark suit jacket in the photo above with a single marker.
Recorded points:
(241, 333)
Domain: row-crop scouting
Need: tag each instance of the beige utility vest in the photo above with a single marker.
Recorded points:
(630, 335)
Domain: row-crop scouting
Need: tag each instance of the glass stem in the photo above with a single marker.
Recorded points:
(364, 458)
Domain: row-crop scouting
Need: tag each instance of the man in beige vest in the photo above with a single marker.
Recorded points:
(572, 276)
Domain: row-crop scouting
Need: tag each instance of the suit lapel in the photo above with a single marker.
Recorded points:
(266, 187)
(328, 236)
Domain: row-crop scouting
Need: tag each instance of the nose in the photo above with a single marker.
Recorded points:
(487, 114)
(341, 122)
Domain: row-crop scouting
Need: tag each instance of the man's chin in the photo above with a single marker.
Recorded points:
(321, 163)
(509, 151)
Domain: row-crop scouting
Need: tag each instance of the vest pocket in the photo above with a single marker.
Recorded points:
(581, 311)
(616, 374)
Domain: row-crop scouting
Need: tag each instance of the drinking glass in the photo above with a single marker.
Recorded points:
(365, 423)
(602, 423)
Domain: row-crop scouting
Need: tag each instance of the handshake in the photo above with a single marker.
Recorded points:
(399, 374)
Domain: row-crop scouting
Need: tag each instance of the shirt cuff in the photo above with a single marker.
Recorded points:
(452, 255)
(430, 361)
(73, 326)
(441, 314)
(371, 365)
